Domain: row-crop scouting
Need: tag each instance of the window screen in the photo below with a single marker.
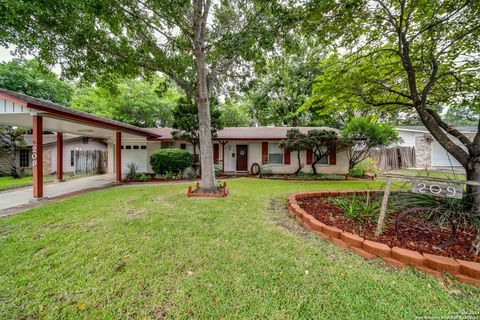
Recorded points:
(24, 158)
(275, 154)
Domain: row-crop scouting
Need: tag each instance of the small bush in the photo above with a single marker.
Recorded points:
(189, 173)
(218, 170)
(359, 209)
(170, 160)
(132, 172)
(364, 167)
(265, 170)
(145, 178)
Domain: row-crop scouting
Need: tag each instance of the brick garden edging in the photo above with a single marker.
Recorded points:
(223, 193)
(464, 271)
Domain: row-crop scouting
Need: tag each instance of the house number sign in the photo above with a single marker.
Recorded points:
(34, 156)
(439, 190)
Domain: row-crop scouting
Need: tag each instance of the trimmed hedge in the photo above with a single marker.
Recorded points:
(170, 160)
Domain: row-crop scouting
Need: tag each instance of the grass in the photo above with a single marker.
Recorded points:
(7, 183)
(429, 173)
(152, 253)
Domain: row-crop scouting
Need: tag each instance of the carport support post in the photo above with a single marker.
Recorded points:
(37, 157)
(118, 157)
(59, 157)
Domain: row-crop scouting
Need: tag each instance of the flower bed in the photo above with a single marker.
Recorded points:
(325, 219)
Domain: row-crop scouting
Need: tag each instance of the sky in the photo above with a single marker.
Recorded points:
(5, 54)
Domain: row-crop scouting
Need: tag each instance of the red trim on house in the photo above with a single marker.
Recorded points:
(37, 156)
(118, 157)
(286, 157)
(309, 156)
(333, 154)
(59, 156)
(216, 153)
(14, 100)
(264, 152)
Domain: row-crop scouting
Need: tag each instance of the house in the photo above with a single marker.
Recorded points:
(73, 145)
(235, 150)
(428, 152)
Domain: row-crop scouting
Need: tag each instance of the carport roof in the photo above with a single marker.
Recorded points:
(70, 114)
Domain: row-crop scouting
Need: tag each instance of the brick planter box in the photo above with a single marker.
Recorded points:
(223, 192)
(464, 271)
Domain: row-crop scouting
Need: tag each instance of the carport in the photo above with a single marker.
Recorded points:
(20, 110)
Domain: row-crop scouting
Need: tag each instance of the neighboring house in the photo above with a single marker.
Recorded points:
(71, 143)
(428, 152)
(235, 150)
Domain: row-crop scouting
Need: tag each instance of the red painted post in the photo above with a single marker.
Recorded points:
(59, 157)
(37, 157)
(223, 158)
(118, 157)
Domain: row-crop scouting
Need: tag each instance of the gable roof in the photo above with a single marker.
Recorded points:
(245, 133)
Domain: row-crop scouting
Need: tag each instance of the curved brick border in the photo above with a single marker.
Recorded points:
(465, 271)
(224, 192)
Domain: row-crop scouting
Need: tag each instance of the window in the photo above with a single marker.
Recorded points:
(136, 147)
(128, 147)
(275, 154)
(143, 147)
(72, 158)
(324, 159)
(85, 140)
(24, 158)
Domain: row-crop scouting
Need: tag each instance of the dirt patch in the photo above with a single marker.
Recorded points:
(135, 213)
(332, 215)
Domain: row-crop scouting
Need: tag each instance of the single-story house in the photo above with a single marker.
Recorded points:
(71, 144)
(235, 150)
(428, 152)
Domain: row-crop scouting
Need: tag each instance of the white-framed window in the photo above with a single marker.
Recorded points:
(24, 158)
(72, 158)
(275, 154)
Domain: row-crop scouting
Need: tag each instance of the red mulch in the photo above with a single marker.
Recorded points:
(424, 243)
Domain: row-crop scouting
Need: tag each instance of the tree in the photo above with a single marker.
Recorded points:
(365, 136)
(186, 122)
(411, 56)
(234, 114)
(137, 102)
(193, 42)
(10, 140)
(322, 143)
(296, 141)
(29, 77)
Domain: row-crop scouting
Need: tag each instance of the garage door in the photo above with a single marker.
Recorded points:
(441, 158)
(134, 153)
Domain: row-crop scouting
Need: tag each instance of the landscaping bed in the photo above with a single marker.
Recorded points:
(331, 214)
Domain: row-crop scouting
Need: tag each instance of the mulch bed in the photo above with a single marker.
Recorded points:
(332, 215)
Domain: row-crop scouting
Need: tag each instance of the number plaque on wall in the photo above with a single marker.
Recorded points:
(439, 190)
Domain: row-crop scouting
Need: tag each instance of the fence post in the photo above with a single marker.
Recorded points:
(383, 209)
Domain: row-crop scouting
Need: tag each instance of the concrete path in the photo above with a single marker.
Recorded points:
(22, 197)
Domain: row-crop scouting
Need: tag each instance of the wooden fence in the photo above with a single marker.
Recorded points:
(394, 158)
(90, 161)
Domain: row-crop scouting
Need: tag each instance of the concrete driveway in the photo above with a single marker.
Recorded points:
(21, 197)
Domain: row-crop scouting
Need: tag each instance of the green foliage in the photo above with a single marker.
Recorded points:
(144, 177)
(132, 172)
(189, 173)
(320, 176)
(296, 141)
(170, 160)
(366, 166)
(218, 170)
(234, 114)
(31, 78)
(186, 122)
(143, 103)
(360, 209)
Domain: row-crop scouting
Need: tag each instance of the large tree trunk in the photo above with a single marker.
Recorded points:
(299, 163)
(473, 192)
(13, 161)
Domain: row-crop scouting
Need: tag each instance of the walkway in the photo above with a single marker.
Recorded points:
(20, 198)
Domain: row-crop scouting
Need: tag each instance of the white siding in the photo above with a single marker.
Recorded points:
(68, 146)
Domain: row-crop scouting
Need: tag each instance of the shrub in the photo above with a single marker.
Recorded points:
(189, 173)
(145, 177)
(265, 170)
(132, 172)
(218, 170)
(170, 160)
(359, 209)
(364, 167)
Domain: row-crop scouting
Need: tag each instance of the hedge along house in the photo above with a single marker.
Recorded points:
(236, 149)
(20, 110)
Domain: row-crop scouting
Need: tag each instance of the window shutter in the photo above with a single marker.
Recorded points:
(264, 152)
(333, 153)
(286, 157)
(215, 153)
(309, 157)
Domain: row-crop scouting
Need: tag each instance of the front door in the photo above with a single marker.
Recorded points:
(242, 157)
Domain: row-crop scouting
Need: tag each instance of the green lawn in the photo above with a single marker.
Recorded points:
(7, 183)
(152, 253)
(429, 173)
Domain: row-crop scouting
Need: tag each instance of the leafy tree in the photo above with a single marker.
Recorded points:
(138, 102)
(193, 42)
(234, 114)
(322, 143)
(29, 77)
(187, 125)
(10, 140)
(410, 57)
(462, 115)
(366, 136)
(296, 141)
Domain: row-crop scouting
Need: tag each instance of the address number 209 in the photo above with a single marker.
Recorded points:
(450, 191)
